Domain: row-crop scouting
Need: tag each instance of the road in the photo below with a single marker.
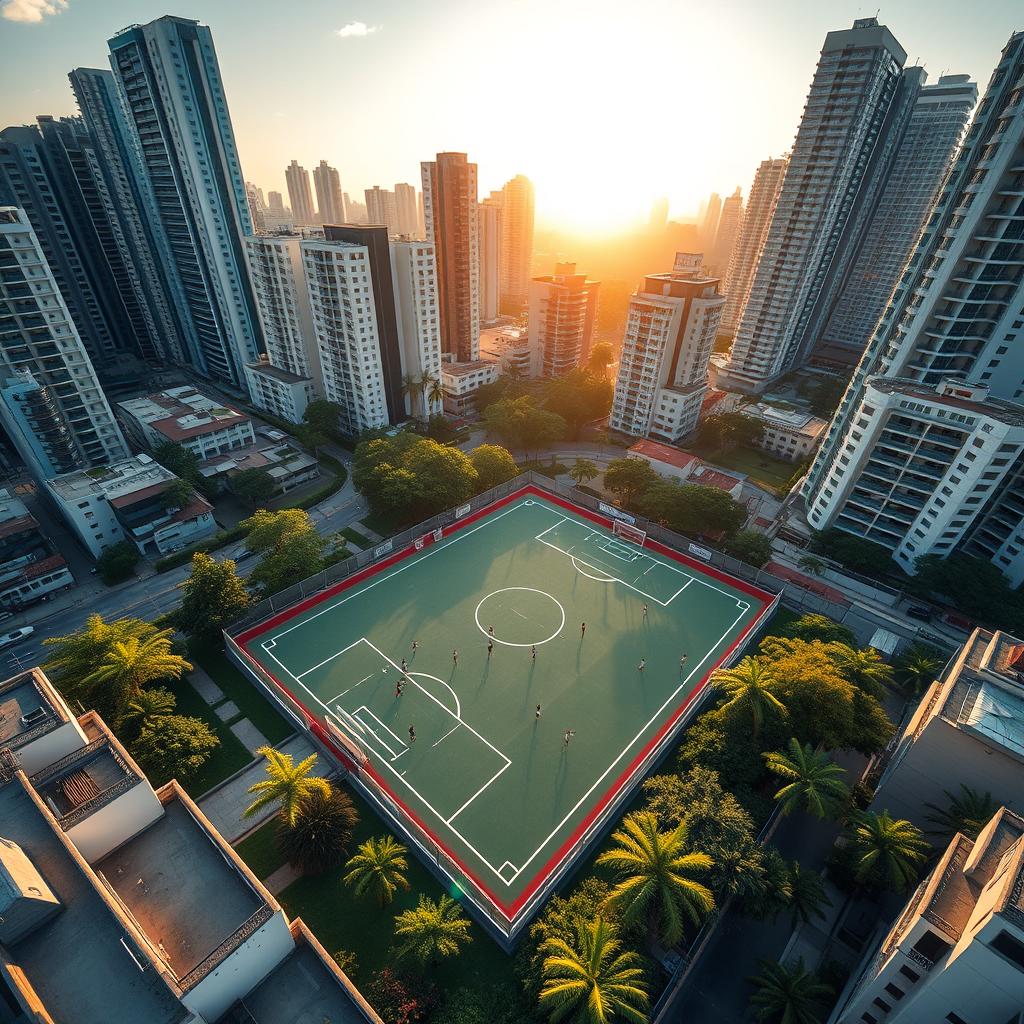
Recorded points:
(148, 596)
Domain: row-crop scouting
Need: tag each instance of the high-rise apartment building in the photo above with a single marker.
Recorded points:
(834, 173)
(408, 210)
(275, 204)
(257, 208)
(671, 327)
(490, 257)
(563, 311)
(51, 403)
(729, 225)
(516, 243)
(926, 451)
(764, 194)
(709, 222)
(171, 87)
(288, 378)
(381, 208)
(300, 194)
(450, 209)
(922, 160)
(392, 332)
(329, 198)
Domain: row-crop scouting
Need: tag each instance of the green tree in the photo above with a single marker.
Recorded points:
(691, 508)
(917, 668)
(292, 549)
(177, 494)
(287, 784)
(788, 994)
(856, 553)
(446, 475)
(493, 464)
(378, 869)
(600, 358)
(888, 852)
(750, 546)
(805, 895)
(253, 486)
(826, 396)
(127, 666)
(656, 888)
(864, 668)
(322, 416)
(149, 706)
(583, 471)
(319, 837)
(967, 811)
(311, 438)
(974, 586)
(174, 747)
(434, 391)
(212, 598)
(117, 562)
(578, 397)
(818, 627)
(749, 689)
(629, 479)
(433, 931)
(520, 423)
(182, 462)
(728, 430)
(812, 779)
(813, 564)
(591, 979)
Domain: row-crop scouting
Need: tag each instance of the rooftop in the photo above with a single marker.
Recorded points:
(28, 708)
(464, 369)
(789, 418)
(181, 413)
(706, 477)
(82, 963)
(946, 394)
(279, 460)
(663, 453)
(12, 508)
(185, 892)
(265, 369)
(114, 481)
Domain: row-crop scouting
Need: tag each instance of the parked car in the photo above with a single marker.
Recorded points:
(245, 554)
(9, 639)
(919, 612)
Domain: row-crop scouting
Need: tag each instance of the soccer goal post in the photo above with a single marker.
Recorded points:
(625, 531)
(344, 729)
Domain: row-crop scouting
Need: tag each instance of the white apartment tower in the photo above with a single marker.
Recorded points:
(408, 210)
(419, 324)
(764, 194)
(729, 225)
(490, 257)
(946, 359)
(51, 402)
(857, 78)
(288, 378)
(563, 311)
(329, 197)
(450, 214)
(381, 208)
(300, 195)
(663, 369)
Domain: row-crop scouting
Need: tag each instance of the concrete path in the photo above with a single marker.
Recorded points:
(205, 686)
(279, 880)
(224, 804)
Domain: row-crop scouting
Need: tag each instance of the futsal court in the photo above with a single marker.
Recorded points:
(611, 638)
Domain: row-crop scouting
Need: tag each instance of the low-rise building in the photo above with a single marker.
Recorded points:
(788, 433)
(460, 382)
(675, 464)
(280, 392)
(956, 953)
(287, 466)
(203, 425)
(968, 730)
(121, 904)
(509, 347)
(29, 567)
(129, 500)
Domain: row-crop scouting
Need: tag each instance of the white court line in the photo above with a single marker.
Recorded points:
(337, 696)
(447, 734)
(448, 821)
(373, 732)
(363, 707)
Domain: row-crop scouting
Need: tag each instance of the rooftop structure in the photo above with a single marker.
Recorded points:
(788, 432)
(29, 567)
(563, 312)
(461, 381)
(287, 465)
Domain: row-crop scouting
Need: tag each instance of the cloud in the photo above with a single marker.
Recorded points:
(353, 30)
(31, 11)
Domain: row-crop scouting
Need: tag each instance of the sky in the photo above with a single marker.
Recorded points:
(605, 105)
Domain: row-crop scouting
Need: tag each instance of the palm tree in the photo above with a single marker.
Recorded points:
(128, 665)
(583, 471)
(378, 869)
(322, 831)
(864, 668)
(749, 689)
(917, 669)
(887, 849)
(787, 994)
(432, 930)
(592, 981)
(968, 812)
(150, 705)
(805, 894)
(813, 780)
(410, 387)
(657, 888)
(813, 564)
(287, 784)
(434, 390)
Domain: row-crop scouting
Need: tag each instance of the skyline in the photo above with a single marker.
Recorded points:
(588, 182)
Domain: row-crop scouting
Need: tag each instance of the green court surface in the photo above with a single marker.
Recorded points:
(497, 788)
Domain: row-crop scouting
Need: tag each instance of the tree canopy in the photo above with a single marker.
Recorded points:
(292, 549)
(493, 464)
(174, 747)
(521, 423)
(212, 598)
(578, 397)
(117, 563)
(322, 416)
(629, 478)
(972, 585)
(727, 430)
(691, 509)
(253, 485)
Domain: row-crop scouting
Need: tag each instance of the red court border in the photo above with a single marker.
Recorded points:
(508, 911)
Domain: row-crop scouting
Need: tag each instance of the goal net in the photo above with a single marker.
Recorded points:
(633, 534)
(344, 730)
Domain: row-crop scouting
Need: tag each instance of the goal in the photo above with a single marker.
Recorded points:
(344, 730)
(633, 534)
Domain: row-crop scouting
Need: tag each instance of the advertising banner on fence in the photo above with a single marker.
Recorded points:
(616, 513)
(382, 549)
(463, 510)
(700, 552)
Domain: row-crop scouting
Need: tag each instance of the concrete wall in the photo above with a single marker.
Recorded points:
(117, 822)
(242, 970)
(52, 746)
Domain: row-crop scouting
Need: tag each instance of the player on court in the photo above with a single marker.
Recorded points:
(490, 631)
(682, 663)
(645, 611)
(490, 647)
(455, 657)
(583, 630)
(415, 644)
(412, 734)
(533, 652)
(537, 715)
(399, 687)
(569, 733)
(640, 667)
(405, 665)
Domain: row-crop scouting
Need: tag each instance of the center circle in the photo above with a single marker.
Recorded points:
(521, 616)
